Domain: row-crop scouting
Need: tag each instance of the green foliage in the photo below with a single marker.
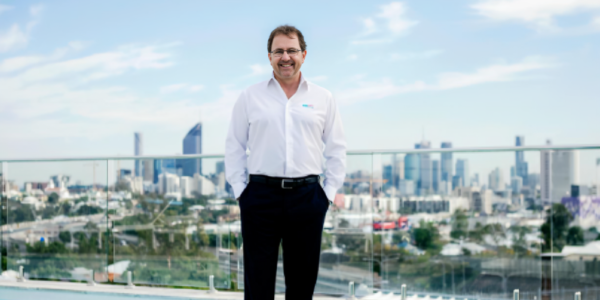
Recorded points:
(53, 198)
(65, 236)
(495, 231)
(51, 248)
(20, 213)
(427, 237)
(3, 263)
(86, 210)
(519, 241)
(554, 230)
(49, 212)
(460, 224)
(575, 236)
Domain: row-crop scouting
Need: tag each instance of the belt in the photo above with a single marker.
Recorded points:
(285, 183)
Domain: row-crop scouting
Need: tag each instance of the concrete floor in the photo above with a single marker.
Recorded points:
(135, 292)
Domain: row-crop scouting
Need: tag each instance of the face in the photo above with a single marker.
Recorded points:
(286, 66)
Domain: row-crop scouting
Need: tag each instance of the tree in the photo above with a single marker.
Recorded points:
(65, 236)
(427, 236)
(519, 241)
(575, 236)
(460, 224)
(53, 198)
(554, 230)
(495, 231)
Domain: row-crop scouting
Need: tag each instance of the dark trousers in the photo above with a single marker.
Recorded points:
(291, 217)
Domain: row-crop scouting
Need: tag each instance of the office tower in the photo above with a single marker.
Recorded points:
(546, 174)
(516, 184)
(425, 179)
(412, 167)
(192, 144)
(60, 181)
(436, 175)
(446, 163)
(475, 180)
(148, 169)
(387, 175)
(462, 171)
(397, 170)
(564, 173)
(496, 180)
(124, 172)
(520, 164)
(138, 146)
(163, 166)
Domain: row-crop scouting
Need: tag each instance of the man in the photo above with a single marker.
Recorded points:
(288, 124)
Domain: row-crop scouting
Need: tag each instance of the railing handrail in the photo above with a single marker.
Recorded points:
(351, 152)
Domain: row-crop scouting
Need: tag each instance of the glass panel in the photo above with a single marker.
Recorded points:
(55, 219)
(347, 247)
(170, 222)
(458, 224)
(571, 223)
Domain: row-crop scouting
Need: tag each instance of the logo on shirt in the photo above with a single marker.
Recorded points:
(308, 105)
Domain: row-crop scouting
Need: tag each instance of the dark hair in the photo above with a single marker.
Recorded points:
(289, 31)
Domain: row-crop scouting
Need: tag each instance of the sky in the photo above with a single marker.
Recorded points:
(78, 78)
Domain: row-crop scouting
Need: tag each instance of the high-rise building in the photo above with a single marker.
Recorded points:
(462, 171)
(163, 166)
(138, 146)
(496, 180)
(446, 163)
(565, 172)
(148, 169)
(520, 164)
(425, 178)
(436, 175)
(412, 167)
(516, 184)
(192, 144)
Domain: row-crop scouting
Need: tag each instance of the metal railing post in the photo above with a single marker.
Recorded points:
(351, 292)
(516, 294)
(577, 296)
(91, 280)
(21, 276)
(130, 284)
(211, 285)
(403, 292)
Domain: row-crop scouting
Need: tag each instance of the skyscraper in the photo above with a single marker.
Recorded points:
(436, 175)
(425, 179)
(446, 163)
(163, 166)
(462, 171)
(496, 180)
(138, 146)
(565, 172)
(412, 167)
(520, 164)
(546, 174)
(192, 144)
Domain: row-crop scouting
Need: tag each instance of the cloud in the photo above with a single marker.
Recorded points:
(260, 69)
(541, 14)
(21, 62)
(36, 10)
(13, 38)
(352, 57)
(415, 55)
(450, 80)
(177, 87)
(385, 26)
(4, 8)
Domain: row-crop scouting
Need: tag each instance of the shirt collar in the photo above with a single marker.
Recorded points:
(303, 81)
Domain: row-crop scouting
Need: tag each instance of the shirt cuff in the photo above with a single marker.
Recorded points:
(330, 192)
(238, 189)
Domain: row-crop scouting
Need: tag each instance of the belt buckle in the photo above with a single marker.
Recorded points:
(283, 184)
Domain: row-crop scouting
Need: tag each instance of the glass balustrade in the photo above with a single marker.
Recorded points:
(463, 224)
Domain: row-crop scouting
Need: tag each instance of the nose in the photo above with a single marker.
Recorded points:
(285, 56)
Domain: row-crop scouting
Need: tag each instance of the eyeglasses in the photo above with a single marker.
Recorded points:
(291, 52)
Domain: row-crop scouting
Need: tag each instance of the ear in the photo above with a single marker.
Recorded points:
(269, 56)
(304, 54)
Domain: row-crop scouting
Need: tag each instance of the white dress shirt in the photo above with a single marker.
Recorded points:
(285, 137)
